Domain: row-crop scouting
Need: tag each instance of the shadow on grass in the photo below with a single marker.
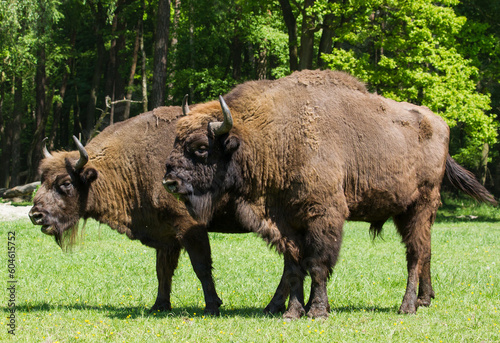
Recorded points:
(374, 309)
(128, 312)
(131, 312)
(446, 218)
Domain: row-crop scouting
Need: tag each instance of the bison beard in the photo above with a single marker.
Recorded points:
(308, 152)
(70, 237)
(200, 207)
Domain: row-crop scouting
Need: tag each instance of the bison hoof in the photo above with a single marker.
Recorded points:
(212, 308)
(294, 313)
(318, 312)
(211, 311)
(424, 301)
(165, 307)
(405, 309)
(275, 308)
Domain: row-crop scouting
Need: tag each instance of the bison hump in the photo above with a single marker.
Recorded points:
(167, 113)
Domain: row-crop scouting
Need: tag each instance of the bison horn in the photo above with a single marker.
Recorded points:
(84, 157)
(219, 128)
(185, 106)
(45, 152)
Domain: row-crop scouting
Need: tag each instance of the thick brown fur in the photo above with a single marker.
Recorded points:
(308, 152)
(121, 186)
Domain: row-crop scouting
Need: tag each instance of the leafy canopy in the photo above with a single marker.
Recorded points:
(406, 50)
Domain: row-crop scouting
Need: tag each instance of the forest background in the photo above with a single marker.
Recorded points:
(66, 66)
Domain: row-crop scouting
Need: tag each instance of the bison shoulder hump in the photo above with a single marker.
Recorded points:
(167, 113)
(329, 77)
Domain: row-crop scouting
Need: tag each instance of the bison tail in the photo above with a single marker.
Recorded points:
(465, 181)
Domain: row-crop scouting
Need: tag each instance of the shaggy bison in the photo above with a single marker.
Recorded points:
(116, 179)
(301, 155)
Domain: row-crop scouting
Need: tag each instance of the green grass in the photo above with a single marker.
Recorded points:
(101, 291)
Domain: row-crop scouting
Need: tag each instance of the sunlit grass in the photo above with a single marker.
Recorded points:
(102, 291)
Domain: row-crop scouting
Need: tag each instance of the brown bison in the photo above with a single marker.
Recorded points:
(301, 155)
(116, 179)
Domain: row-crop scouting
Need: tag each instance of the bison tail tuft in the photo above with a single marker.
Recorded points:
(465, 181)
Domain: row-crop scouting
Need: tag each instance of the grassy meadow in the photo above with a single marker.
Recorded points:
(102, 290)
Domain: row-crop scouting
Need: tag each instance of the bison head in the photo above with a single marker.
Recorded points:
(60, 201)
(200, 168)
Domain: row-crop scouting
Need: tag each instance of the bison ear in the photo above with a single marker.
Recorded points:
(231, 144)
(88, 175)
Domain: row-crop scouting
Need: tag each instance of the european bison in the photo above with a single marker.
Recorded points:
(300, 155)
(116, 179)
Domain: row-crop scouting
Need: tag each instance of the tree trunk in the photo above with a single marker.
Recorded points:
(89, 120)
(307, 38)
(173, 45)
(236, 51)
(62, 92)
(262, 64)
(291, 26)
(135, 56)
(5, 141)
(496, 178)
(144, 83)
(115, 85)
(326, 41)
(483, 168)
(2, 97)
(119, 85)
(16, 133)
(77, 128)
(41, 116)
(160, 54)
(109, 88)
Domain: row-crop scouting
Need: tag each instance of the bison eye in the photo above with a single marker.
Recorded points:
(66, 186)
(201, 151)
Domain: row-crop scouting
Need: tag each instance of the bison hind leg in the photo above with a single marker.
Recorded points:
(278, 302)
(425, 291)
(322, 247)
(414, 225)
(294, 276)
(167, 259)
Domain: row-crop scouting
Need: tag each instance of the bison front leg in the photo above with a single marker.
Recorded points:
(197, 245)
(166, 263)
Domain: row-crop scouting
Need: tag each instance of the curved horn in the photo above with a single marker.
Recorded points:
(219, 128)
(185, 106)
(45, 152)
(84, 157)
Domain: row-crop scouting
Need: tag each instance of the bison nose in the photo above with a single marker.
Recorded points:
(36, 217)
(170, 185)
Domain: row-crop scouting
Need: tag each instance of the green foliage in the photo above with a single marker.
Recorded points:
(406, 51)
(460, 208)
(204, 84)
(442, 55)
